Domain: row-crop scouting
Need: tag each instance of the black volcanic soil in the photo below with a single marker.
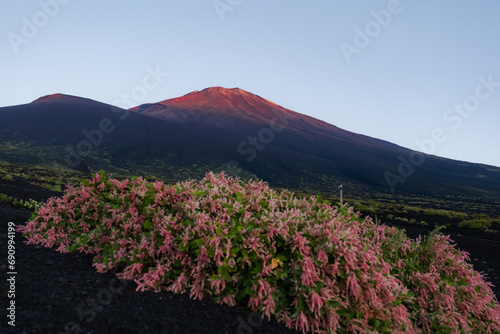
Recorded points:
(62, 293)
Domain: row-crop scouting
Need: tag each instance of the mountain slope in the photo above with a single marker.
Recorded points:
(66, 129)
(276, 143)
(222, 106)
(232, 130)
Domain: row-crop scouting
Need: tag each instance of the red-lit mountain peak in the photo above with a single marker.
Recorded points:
(217, 103)
(53, 97)
(222, 99)
(225, 106)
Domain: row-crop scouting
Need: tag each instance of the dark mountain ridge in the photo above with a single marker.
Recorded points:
(233, 130)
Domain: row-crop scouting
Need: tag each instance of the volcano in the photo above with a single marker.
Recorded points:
(219, 129)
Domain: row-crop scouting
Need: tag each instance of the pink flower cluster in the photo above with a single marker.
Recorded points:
(306, 264)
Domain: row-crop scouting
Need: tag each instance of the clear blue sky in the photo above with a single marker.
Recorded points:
(397, 80)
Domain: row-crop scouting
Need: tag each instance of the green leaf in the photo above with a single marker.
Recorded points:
(342, 274)
(282, 258)
(396, 302)
(107, 248)
(148, 224)
(239, 196)
(257, 269)
(223, 269)
(301, 303)
(197, 243)
(71, 248)
(235, 250)
(346, 313)
(318, 287)
(334, 304)
(240, 296)
(462, 282)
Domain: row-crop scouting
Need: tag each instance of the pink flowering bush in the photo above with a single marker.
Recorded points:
(300, 261)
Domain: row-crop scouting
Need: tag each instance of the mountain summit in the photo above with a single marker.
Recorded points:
(221, 98)
(58, 97)
(235, 107)
(216, 103)
(50, 97)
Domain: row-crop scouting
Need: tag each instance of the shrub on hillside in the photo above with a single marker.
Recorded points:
(29, 204)
(313, 267)
(480, 224)
(438, 213)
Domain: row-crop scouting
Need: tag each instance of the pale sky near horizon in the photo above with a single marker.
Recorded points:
(394, 70)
